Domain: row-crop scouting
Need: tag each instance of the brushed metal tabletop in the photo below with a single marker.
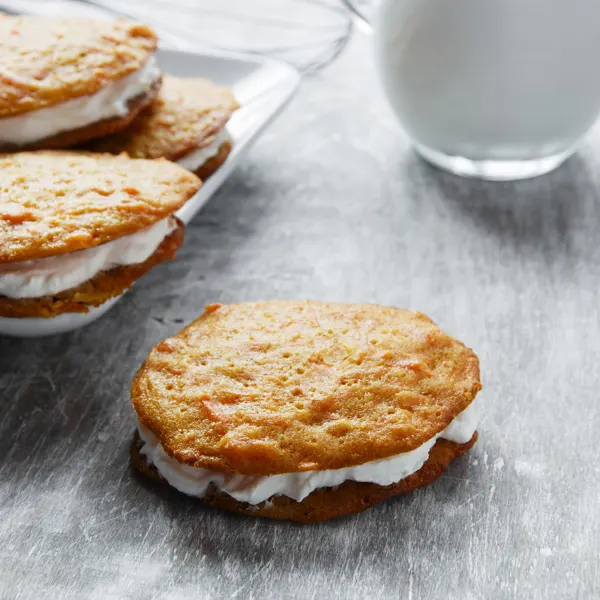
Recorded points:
(332, 204)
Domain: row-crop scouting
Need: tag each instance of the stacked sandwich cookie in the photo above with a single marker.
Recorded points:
(303, 410)
(186, 124)
(66, 81)
(96, 85)
(78, 229)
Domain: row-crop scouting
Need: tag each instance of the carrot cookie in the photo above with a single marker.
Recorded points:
(303, 410)
(185, 124)
(78, 229)
(65, 81)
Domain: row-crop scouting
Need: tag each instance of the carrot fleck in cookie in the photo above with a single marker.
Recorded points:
(304, 410)
(65, 81)
(77, 229)
(185, 124)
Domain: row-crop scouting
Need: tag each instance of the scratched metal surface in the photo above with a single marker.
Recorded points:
(332, 204)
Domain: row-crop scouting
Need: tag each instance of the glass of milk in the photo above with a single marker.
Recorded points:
(495, 89)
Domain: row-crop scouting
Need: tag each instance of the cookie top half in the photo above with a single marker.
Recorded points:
(186, 115)
(44, 61)
(278, 387)
(54, 202)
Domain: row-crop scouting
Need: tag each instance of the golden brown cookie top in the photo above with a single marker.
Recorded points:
(278, 387)
(186, 115)
(56, 202)
(44, 61)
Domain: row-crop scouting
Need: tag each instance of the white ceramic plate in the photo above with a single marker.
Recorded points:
(262, 86)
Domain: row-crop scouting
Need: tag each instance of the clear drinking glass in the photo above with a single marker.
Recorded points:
(496, 89)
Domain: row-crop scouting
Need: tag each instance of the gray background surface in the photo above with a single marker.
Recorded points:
(332, 204)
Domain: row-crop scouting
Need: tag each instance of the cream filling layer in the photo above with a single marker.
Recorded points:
(256, 489)
(192, 161)
(110, 101)
(46, 276)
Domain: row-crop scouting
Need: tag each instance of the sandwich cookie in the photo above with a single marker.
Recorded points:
(304, 410)
(77, 229)
(185, 124)
(66, 81)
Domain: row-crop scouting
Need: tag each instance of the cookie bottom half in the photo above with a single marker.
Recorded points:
(75, 137)
(96, 291)
(212, 164)
(325, 503)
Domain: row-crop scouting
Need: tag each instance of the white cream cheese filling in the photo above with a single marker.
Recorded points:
(192, 161)
(46, 276)
(256, 489)
(110, 101)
